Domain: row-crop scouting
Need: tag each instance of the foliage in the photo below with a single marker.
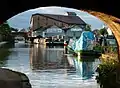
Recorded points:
(5, 31)
(105, 49)
(103, 31)
(98, 48)
(111, 49)
(88, 27)
(109, 71)
(108, 74)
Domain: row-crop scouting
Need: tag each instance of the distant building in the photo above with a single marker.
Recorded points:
(22, 30)
(40, 22)
(71, 14)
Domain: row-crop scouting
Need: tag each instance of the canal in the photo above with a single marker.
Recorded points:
(48, 67)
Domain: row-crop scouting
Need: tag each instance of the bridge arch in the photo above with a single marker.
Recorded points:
(112, 22)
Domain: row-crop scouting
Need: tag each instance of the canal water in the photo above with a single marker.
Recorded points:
(49, 67)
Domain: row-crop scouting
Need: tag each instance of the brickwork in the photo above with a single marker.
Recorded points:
(110, 22)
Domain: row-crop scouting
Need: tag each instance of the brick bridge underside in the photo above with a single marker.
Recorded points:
(110, 22)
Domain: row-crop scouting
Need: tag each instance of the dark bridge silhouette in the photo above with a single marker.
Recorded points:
(10, 8)
(24, 34)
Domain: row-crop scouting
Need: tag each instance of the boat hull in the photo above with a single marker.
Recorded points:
(84, 53)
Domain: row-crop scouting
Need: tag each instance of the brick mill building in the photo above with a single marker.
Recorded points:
(43, 21)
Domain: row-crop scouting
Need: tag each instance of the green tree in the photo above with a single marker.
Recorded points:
(5, 31)
(103, 31)
(88, 27)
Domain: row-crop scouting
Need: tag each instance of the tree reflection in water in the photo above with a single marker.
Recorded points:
(5, 52)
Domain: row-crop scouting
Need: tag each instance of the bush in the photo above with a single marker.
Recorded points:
(105, 49)
(108, 74)
(98, 48)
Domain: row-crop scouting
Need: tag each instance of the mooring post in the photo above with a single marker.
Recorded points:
(65, 42)
(65, 47)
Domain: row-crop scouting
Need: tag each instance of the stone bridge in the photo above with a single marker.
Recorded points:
(22, 34)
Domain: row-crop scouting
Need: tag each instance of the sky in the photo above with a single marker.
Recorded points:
(22, 20)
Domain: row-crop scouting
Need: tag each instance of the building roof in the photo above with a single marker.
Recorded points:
(66, 19)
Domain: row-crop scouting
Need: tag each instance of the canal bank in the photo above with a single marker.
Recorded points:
(13, 79)
(10, 78)
(1, 43)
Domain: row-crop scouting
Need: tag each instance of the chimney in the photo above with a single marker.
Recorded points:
(71, 13)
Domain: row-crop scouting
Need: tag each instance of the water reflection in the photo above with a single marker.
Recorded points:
(85, 67)
(4, 52)
(48, 67)
(53, 58)
(47, 58)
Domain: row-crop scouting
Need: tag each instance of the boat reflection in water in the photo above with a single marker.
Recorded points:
(85, 67)
(53, 58)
